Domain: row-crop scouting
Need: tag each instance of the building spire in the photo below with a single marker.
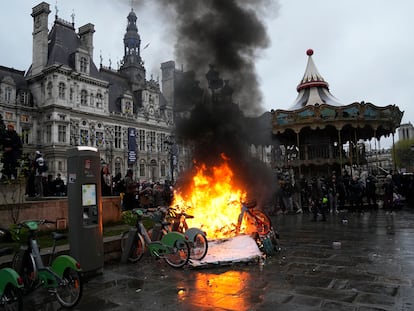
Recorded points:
(57, 10)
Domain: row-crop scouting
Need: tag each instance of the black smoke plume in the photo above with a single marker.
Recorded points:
(230, 34)
(218, 102)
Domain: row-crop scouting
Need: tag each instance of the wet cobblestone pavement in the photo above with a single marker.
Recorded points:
(371, 269)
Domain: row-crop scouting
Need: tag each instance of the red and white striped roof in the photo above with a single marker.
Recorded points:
(313, 89)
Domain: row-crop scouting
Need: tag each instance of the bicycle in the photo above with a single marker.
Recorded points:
(258, 224)
(11, 285)
(171, 219)
(61, 276)
(172, 247)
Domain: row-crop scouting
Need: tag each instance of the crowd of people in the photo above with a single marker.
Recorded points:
(40, 183)
(356, 193)
(133, 193)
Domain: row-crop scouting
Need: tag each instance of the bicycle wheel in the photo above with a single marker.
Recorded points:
(180, 254)
(274, 237)
(199, 247)
(260, 221)
(24, 264)
(69, 291)
(12, 299)
(137, 249)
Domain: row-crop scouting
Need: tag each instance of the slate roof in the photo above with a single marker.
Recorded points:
(63, 43)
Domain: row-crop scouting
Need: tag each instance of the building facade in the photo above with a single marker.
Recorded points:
(406, 131)
(64, 100)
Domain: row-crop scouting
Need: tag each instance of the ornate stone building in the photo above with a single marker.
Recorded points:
(64, 100)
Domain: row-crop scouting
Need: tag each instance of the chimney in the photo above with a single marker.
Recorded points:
(40, 33)
(86, 37)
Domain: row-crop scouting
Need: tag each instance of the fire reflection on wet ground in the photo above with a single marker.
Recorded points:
(224, 291)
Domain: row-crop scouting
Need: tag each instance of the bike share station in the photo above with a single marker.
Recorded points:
(85, 208)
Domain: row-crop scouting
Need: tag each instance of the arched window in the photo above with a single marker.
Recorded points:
(62, 90)
(84, 98)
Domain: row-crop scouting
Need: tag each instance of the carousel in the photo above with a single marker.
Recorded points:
(318, 135)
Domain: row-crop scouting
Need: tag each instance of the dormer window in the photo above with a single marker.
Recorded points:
(62, 90)
(8, 94)
(128, 107)
(84, 98)
(99, 101)
(83, 65)
(24, 98)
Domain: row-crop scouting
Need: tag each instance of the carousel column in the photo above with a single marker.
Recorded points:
(340, 150)
(356, 148)
(299, 159)
(393, 151)
(376, 151)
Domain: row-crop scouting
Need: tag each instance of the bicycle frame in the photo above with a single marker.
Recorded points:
(262, 226)
(162, 247)
(182, 226)
(48, 276)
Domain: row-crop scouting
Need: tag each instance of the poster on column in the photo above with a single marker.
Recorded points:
(132, 146)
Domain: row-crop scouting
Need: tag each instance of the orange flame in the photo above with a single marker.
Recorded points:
(213, 199)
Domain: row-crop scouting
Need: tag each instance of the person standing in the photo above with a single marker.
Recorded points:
(356, 192)
(389, 189)
(12, 151)
(129, 200)
(296, 197)
(333, 195)
(40, 168)
(371, 191)
(106, 181)
(316, 197)
(59, 186)
(287, 191)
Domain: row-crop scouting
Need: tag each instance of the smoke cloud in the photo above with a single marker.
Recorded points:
(230, 34)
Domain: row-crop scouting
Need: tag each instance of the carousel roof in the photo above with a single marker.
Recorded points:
(313, 89)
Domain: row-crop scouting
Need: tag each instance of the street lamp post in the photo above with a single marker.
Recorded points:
(172, 152)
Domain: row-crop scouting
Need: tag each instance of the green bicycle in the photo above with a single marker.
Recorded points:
(61, 277)
(11, 285)
(173, 247)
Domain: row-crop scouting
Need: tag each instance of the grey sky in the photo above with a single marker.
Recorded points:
(363, 49)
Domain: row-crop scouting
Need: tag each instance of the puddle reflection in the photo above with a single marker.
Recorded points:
(222, 291)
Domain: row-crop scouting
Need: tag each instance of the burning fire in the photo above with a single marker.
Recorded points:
(213, 199)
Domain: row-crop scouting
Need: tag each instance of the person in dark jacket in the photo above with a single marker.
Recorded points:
(12, 151)
(371, 191)
(317, 195)
(356, 192)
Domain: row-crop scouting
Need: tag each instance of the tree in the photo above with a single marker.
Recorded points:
(403, 154)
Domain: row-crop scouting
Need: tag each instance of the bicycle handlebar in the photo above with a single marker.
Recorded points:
(26, 223)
